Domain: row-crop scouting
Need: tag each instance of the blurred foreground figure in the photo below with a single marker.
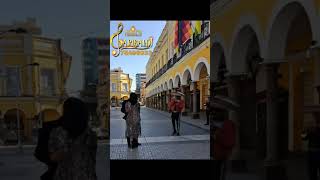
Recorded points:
(313, 136)
(133, 121)
(73, 145)
(223, 143)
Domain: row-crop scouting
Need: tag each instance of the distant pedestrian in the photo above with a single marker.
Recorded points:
(223, 143)
(313, 136)
(133, 121)
(73, 145)
(208, 111)
(175, 107)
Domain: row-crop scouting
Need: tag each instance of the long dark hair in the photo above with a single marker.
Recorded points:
(75, 117)
(133, 98)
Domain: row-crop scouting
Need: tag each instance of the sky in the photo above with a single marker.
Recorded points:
(71, 20)
(135, 64)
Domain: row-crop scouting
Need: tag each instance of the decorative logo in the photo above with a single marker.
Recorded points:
(135, 46)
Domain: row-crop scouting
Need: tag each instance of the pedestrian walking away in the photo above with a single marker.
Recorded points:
(313, 136)
(73, 145)
(175, 107)
(133, 121)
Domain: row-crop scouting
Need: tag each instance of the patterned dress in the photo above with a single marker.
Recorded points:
(133, 129)
(79, 161)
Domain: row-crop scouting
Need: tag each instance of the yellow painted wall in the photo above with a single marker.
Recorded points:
(115, 78)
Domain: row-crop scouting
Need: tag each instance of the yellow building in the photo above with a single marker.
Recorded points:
(186, 71)
(283, 36)
(34, 71)
(120, 86)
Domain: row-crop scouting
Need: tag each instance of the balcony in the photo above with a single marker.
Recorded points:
(184, 50)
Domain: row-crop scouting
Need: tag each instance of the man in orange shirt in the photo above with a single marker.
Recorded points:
(175, 107)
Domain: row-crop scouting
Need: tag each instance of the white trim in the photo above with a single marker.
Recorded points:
(215, 59)
(184, 79)
(309, 9)
(165, 86)
(197, 68)
(244, 21)
(218, 39)
(170, 85)
(175, 81)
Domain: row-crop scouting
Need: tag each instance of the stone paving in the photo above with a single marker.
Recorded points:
(156, 139)
(15, 165)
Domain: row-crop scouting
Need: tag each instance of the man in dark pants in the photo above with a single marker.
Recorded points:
(175, 107)
(313, 135)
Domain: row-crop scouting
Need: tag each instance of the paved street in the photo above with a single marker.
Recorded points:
(156, 139)
(16, 165)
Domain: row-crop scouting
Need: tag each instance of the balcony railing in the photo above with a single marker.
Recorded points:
(184, 50)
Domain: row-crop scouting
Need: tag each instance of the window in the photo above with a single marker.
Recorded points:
(125, 87)
(47, 85)
(13, 78)
(113, 87)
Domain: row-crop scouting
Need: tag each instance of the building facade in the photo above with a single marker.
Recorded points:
(186, 70)
(95, 52)
(120, 86)
(34, 70)
(270, 51)
(140, 78)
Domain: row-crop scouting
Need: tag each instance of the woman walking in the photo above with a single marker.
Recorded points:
(73, 145)
(133, 130)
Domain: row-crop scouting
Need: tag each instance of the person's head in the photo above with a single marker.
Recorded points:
(75, 116)
(178, 98)
(173, 98)
(133, 98)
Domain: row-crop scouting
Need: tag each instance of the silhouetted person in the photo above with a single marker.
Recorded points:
(313, 136)
(133, 121)
(73, 145)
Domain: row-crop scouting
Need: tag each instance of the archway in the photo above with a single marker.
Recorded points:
(242, 79)
(186, 81)
(291, 33)
(177, 81)
(11, 118)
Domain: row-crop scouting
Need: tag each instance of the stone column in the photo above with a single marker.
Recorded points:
(234, 83)
(193, 88)
(273, 168)
(184, 113)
